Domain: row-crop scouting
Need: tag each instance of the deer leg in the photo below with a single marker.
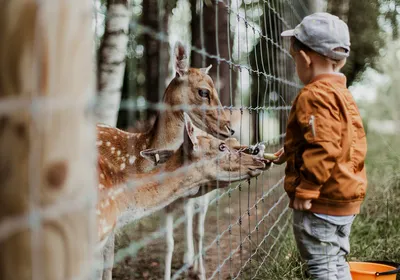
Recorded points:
(108, 258)
(170, 245)
(99, 264)
(189, 250)
(200, 232)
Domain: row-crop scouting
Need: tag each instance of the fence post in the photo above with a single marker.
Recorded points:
(47, 142)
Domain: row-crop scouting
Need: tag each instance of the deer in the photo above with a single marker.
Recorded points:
(191, 90)
(126, 197)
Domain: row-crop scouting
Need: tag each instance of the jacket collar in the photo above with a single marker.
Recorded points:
(337, 78)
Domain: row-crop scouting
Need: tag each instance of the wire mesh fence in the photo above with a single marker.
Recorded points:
(184, 217)
(239, 224)
(254, 77)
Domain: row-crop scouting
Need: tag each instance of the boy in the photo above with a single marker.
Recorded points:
(325, 148)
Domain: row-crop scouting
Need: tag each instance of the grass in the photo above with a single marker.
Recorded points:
(375, 232)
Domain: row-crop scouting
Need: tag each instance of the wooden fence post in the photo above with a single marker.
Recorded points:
(47, 140)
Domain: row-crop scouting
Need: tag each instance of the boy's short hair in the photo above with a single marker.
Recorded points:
(298, 46)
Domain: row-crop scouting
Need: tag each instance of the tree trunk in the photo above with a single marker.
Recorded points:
(225, 82)
(316, 6)
(111, 64)
(47, 145)
(339, 8)
(156, 52)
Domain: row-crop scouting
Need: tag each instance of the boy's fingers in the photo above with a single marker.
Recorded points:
(280, 152)
(307, 204)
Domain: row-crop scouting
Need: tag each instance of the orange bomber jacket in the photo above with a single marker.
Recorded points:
(326, 147)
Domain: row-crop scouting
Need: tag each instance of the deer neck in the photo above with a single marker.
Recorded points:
(156, 192)
(167, 131)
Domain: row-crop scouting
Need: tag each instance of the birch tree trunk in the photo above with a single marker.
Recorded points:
(47, 144)
(112, 60)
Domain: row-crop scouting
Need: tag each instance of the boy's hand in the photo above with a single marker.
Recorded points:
(302, 204)
(281, 157)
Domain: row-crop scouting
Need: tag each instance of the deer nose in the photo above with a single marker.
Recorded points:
(231, 131)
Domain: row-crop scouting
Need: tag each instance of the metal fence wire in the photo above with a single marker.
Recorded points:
(243, 222)
(237, 226)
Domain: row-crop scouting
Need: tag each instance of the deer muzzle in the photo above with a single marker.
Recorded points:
(230, 130)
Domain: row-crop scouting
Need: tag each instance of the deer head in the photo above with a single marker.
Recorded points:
(215, 159)
(194, 87)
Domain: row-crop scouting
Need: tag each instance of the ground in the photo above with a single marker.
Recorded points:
(149, 262)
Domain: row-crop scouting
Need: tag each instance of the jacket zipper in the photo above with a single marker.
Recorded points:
(312, 124)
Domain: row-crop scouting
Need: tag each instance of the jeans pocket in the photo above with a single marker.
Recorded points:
(320, 228)
(344, 231)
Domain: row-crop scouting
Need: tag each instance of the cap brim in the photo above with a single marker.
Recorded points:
(288, 33)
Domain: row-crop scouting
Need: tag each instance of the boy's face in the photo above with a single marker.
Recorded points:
(302, 61)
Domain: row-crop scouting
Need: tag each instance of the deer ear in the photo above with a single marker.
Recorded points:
(206, 70)
(181, 62)
(189, 136)
(157, 156)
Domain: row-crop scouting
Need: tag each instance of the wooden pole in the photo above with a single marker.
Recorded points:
(47, 140)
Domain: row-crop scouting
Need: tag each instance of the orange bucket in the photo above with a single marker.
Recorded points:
(373, 271)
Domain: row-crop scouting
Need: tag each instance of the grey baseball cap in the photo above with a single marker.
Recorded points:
(323, 33)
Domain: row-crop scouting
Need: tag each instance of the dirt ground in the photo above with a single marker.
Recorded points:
(242, 239)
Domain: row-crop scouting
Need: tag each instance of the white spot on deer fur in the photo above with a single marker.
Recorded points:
(99, 143)
(118, 152)
(132, 160)
(104, 204)
(108, 143)
(112, 148)
(101, 132)
(122, 167)
(118, 191)
(98, 212)
(102, 176)
(106, 229)
(115, 137)
(101, 186)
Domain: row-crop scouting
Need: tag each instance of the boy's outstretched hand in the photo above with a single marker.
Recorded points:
(281, 157)
(302, 204)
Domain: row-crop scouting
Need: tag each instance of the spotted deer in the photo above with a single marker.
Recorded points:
(191, 90)
(125, 197)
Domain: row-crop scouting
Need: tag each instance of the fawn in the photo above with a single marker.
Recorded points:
(126, 197)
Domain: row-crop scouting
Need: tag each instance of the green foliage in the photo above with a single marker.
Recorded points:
(365, 33)
(392, 12)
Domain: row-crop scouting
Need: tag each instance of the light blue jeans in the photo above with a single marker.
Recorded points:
(322, 245)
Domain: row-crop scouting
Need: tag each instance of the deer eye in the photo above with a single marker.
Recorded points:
(223, 147)
(204, 93)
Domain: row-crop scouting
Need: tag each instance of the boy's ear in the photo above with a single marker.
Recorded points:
(306, 58)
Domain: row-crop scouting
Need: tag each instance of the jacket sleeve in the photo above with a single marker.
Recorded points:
(319, 117)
